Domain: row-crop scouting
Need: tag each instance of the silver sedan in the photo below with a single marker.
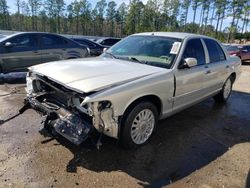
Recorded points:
(124, 92)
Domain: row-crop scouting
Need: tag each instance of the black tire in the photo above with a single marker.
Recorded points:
(71, 57)
(1, 69)
(125, 137)
(221, 97)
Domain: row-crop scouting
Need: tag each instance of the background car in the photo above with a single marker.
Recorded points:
(95, 49)
(108, 42)
(232, 49)
(245, 53)
(22, 50)
(2, 36)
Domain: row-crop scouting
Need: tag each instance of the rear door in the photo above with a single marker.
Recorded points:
(217, 67)
(56, 47)
(189, 81)
(53, 47)
(22, 53)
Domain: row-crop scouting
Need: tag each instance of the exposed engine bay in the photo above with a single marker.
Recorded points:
(65, 111)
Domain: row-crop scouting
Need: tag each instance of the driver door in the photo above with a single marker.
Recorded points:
(189, 81)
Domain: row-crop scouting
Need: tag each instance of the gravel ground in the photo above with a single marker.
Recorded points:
(205, 146)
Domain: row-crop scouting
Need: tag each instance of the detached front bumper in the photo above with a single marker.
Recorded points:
(69, 124)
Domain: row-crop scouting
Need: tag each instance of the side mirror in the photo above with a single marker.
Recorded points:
(8, 45)
(188, 63)
(88, 50)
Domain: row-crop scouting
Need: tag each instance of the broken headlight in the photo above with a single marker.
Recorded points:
(32, 85)
(29, 85)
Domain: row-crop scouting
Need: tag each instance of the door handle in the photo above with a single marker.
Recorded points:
(227, 66)
(208, 72)
(206, 67)
(35, 51)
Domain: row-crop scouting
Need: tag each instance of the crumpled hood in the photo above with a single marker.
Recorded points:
(93, 74)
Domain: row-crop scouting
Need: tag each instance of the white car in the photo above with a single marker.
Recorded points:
(124, 92)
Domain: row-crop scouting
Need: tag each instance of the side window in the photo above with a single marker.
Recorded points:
(51, 40)
(23, 41)
(215, 52)
(113, 41)
(103, 42)
(107, 42)
(244, 49)
(194, 49)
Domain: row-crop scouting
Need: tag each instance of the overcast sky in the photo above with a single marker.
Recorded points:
(226, 23)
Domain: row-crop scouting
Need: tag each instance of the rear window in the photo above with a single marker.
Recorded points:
(215, 51)
(51, 40)
(110, 41)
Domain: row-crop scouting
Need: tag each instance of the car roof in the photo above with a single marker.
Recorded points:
(179, 35)
(47, 33)
(107, 38)
(104, 38)
(33, 32)
(36, 32)
(79, 38)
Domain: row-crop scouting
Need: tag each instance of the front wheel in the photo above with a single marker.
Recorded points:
(139, 125)
(226, 91)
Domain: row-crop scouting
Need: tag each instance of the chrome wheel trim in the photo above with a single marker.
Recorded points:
(227, 89)
(142, 126)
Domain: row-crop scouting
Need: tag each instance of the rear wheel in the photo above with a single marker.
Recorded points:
(1, 69)
(139, 125)
(1, 76)
(226, 91)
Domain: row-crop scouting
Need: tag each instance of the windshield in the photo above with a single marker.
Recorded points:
(151, 50)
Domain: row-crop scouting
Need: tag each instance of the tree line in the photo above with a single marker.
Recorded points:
(107, 18)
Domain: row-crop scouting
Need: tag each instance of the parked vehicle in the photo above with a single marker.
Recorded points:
(95, 49)
(22, 50)
(233, 50)
(2, 36)
(125, 91)
(245, 53)
(108, 42)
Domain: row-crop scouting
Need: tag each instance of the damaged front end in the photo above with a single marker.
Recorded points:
(65, 111)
